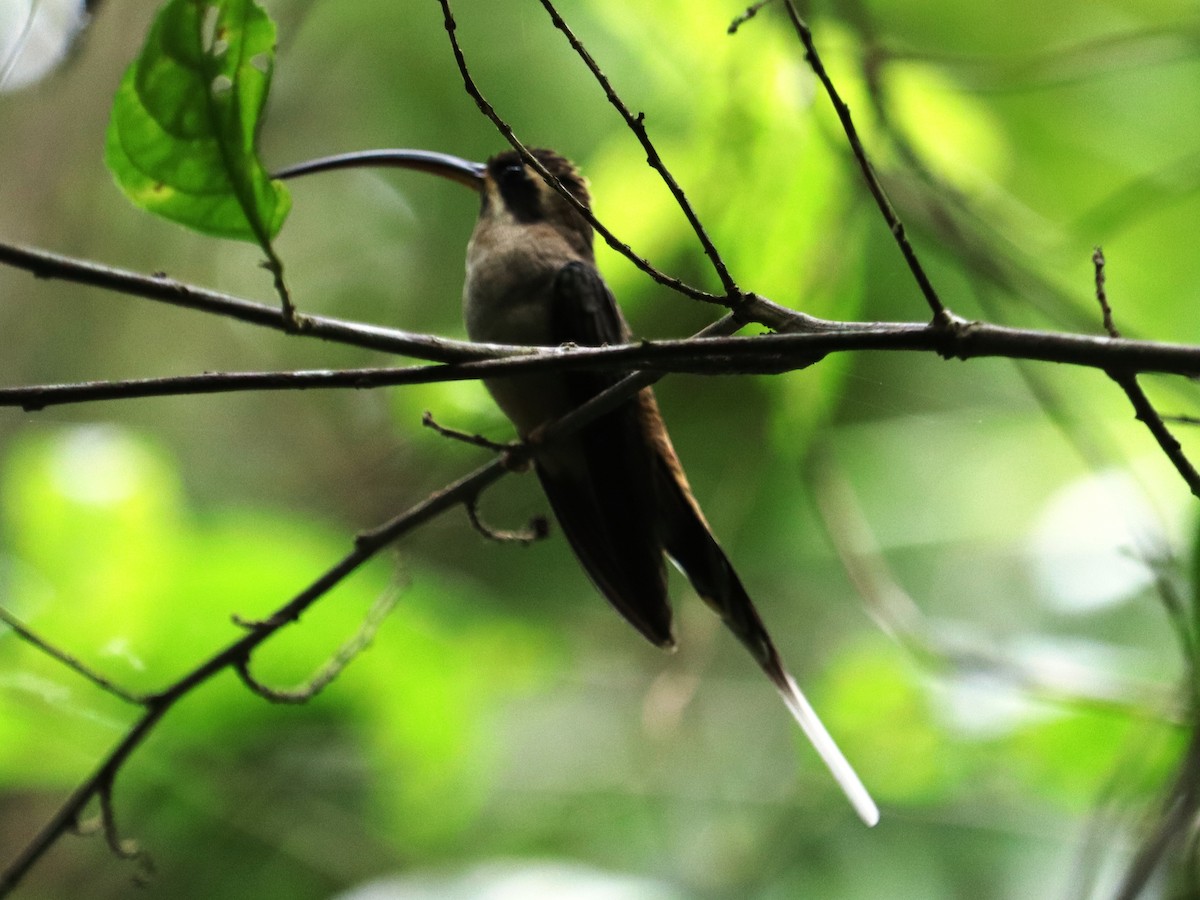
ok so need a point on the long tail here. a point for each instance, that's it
(843, 773)
(690, 542)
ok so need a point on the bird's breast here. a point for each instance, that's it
(508, 298)
(509, 291)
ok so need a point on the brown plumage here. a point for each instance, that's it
(616, 486)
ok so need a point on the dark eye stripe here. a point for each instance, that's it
(519, 192)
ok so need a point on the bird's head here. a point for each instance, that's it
(513, 191)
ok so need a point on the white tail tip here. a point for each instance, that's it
(829, 752)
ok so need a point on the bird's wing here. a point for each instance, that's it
(600, 481)
(689, 541)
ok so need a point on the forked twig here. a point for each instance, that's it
(1142, 407)
(68, 660)
(475, 440)
(538, 528)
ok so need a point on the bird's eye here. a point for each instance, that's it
(518, 190)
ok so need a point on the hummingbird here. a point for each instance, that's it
(616, 485)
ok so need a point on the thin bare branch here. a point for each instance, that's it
(715, 355)
(1126, 379)
(292, 321)
(71, 662)
(1110, 327)
(475, 440)
(1146, 414)
(637, 124)
(941, 315)
(538, 528)
(324, 676)
(509, 135)
(746, 15)
(44, 264)
(159, 287)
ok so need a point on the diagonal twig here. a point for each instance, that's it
(1145, 413)
(356, 644)
(941, 315)
(71, 662)
(475, 440)
(746, 15)
(509, 135)
(637, 124)
(1143, 409)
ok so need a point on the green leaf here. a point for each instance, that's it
(181, 140)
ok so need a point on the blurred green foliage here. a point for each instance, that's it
(503, 712)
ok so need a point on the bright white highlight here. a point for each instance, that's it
(843, 773)
(35, 37)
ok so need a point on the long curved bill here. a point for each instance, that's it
(465, 172)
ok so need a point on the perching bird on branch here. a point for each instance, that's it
(615, 485)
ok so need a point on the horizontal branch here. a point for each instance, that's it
(162, 289)
(759, 354)
(44, 264)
